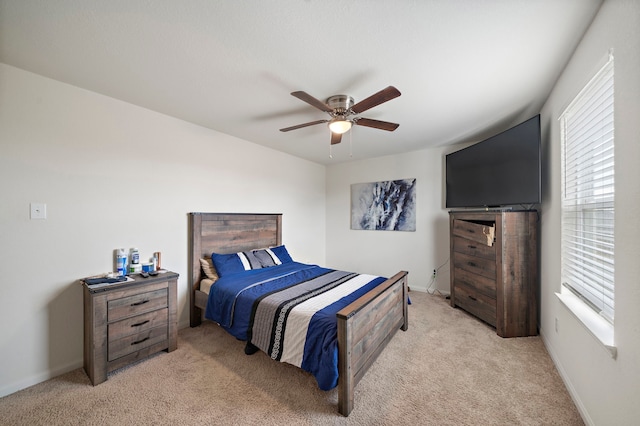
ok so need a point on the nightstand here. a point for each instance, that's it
(126, 322)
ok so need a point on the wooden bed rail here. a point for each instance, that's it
(364, 329)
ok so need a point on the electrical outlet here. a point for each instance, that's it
(434, 273)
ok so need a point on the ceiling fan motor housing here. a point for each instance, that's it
(341, 104)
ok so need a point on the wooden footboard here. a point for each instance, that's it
(364, 329)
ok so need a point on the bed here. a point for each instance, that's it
(364, 326)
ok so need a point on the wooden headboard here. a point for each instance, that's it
(226, 233)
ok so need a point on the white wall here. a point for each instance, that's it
(605, 389)
(116, 175)
(387, 252)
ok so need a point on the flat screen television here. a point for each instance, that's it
(502, 171)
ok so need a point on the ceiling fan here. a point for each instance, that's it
(344, 111)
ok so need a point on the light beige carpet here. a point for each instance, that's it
(447, 369)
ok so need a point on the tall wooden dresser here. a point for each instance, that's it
(494, 268)
(126, 322)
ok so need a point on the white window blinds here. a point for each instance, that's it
(588, 194)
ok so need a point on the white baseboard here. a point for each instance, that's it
(567, 381)
(38, 378)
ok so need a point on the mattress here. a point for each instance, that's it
(205, 285)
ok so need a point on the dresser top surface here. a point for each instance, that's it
(134, 279)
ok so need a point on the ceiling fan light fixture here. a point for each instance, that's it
(339, 125)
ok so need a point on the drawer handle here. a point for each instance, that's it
(139, 324)
(471, 264)
(473, 298)
(140, 341)
(471, 247)
(140, 303)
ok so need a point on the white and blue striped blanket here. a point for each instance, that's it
(289, 312)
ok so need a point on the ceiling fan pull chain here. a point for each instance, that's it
(351, 143)
(330, 155)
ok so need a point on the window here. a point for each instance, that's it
(588, 190)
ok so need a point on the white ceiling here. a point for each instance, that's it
(466, 68)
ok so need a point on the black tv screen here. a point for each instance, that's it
(501, 171)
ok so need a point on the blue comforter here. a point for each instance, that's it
(289, 312)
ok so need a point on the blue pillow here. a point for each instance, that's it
(282, 253)
(236, 262)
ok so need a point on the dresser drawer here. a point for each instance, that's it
(135, 342)
(138, 324)
(476, 265)
(136, 304)
(479, 232)
(473, 248)
(475, 303)
(481, 284)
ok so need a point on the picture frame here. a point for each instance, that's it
(384, 205)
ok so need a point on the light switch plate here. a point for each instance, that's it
(38, 211)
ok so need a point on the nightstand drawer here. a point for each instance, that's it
(138, 324)
(136, 304)
(121, 347)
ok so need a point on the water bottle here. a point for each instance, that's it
(121, 261)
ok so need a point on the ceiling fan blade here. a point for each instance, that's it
(377, 124)
(300, 126)
(376, 99)
(304, 96)
(336, 138)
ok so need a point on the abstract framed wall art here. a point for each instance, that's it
(384, 206)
